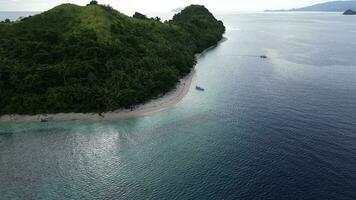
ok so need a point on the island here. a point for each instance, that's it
(349, 12)
(179, 9)
(94, 59)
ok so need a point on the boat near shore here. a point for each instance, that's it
(199, 88)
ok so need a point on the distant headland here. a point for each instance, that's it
(176, 10)
(331, 6)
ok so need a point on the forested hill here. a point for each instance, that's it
(94, 59)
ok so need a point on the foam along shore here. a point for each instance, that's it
(167, 101)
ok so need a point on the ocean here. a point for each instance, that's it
(13, 16)
(283, 127)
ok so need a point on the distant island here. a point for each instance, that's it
(95, 59)
(177, 9)
(331, 6)
(349, 12)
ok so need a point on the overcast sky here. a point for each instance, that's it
(129, 6)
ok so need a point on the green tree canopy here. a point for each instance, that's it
(95, 59)
(93, 2)
(138, 15)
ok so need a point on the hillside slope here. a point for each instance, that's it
(94, 59)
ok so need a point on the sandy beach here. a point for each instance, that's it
(167, 101)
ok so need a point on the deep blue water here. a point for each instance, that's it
(276, 128)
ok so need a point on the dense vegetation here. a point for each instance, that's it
(95, 59)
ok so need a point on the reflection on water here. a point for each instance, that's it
(277, 128)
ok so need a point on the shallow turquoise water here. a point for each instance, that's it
(280, 128)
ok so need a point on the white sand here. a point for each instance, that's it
(169, 100)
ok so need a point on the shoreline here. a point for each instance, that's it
(165, 102)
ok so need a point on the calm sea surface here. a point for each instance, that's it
(14, 15)
(276, 128)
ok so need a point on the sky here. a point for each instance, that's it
(129, 6)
